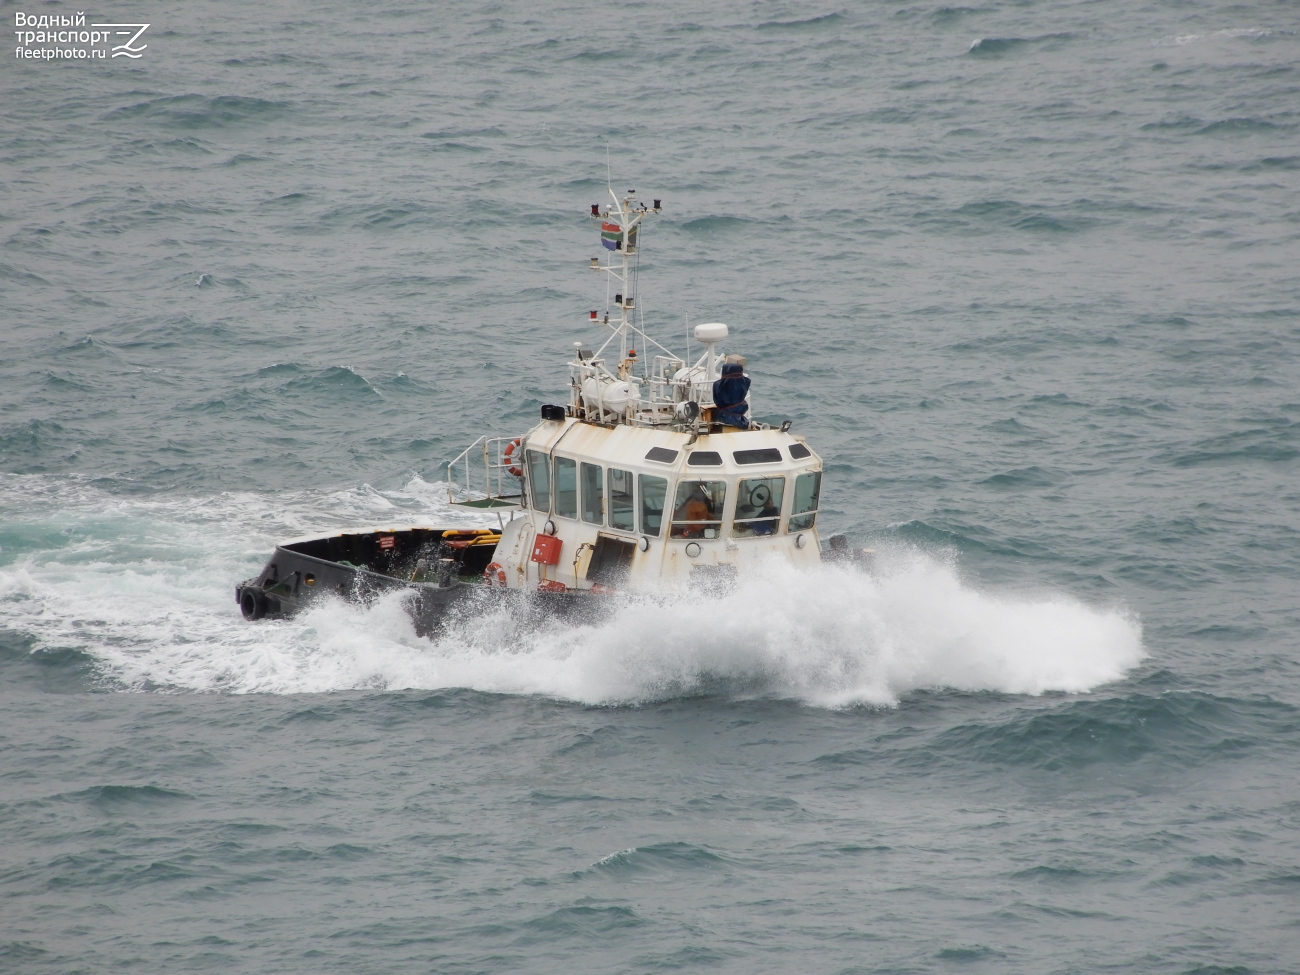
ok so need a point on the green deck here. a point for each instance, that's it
(512, 502)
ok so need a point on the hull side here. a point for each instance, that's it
(300, 573)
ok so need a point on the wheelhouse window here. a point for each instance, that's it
(758, 507)
(620, 500)
(704, 458)
(566, 487)
(539, 480)
(807, 491)
(763, 455)
(654, 491)
(698, 511)
(593, 494)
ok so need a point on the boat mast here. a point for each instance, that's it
(645, 387)
(620, 223)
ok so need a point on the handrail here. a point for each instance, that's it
(485, 479)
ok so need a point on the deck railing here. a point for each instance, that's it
(479, 477)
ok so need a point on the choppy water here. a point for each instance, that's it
(1027, 275)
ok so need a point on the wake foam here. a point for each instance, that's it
(145, 588)
(828, 636)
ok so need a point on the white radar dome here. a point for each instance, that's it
(710, 332)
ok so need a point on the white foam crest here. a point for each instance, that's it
(74, 500)
(146, 588)
(1182, 40)
(828, 636)
(145, 585)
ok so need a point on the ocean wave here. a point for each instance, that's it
(199, 111)
(825, 20)
(989, 216)
(996, 46)
(580, 921)
(714, 224)
(342, 381)
(1185, 727)
(1229, 33)
(1237, 126)
(657, 860)
(945, 15)
(376, 216)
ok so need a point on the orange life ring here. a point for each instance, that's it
(514, 465)
(495, 575)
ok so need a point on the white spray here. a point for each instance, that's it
(147, 591)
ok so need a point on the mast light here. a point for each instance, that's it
(595, 209)
(657, 205)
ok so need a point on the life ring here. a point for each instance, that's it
(495, 575)
(514, 465)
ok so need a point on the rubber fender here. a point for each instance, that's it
(252, 603)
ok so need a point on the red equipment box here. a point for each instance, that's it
(546, 550)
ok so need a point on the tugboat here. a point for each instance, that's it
(653, 476)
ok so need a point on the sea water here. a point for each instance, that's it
(1025, 275)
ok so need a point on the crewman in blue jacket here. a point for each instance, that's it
(729, 394)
